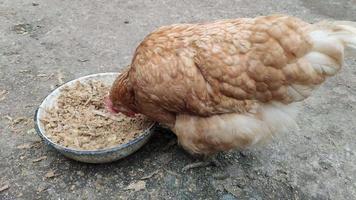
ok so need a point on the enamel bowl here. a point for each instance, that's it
(89, 156)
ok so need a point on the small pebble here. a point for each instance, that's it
(72, 187)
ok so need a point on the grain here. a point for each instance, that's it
(80, 121)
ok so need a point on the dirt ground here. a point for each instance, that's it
(45, 42)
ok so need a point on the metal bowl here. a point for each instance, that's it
(89, 156)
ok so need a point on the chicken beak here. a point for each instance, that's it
(109, 105)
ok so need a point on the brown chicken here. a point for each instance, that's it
(231, 83)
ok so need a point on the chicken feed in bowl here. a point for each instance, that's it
(79, 120)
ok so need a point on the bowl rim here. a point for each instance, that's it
(147, 132)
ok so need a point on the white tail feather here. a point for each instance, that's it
(331, 42)
(344, 31)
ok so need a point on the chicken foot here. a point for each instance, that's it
(207, 161)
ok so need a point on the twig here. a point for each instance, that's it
(172, 173)
(39, 159)
(18, 120)
(8, 118)
(150, 175)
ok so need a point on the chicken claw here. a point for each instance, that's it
(212, 160)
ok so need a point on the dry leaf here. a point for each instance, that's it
(5, 187)
(39, 159)
(24, 146)
(50, 174)
(41, 189)
(3, 94)
(137, 186)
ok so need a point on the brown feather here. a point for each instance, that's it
(230, 83)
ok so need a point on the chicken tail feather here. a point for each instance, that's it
(343, 31)
(331, 42)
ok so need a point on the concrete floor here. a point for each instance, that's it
(42, 40)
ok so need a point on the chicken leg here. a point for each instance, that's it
(206, 161)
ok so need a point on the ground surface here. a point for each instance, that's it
(42, 40)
